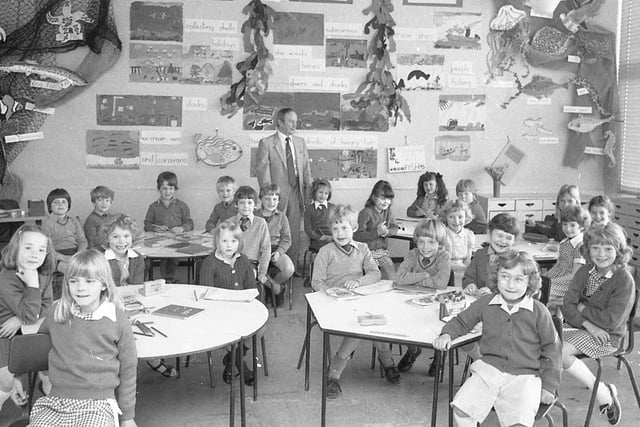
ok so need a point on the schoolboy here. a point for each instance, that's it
(467, 192)
(280, 235)
(101, 197)
(225, 208)
(255, 240)
(168, 214)
(65, 231)
(521, 351)
(348, 264)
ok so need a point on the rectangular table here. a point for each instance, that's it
(407, 324)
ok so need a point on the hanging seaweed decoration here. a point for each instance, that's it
(255, 69)
(380, 92)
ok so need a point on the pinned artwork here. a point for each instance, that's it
(539, 87)
(155, 63)
(358, 164)
(610, 147)
(113, 149)
(69, 23)
(293, 28)
(466, 113)
(406, 158)
(139, 110)
(456, 148)
(420, 71)
(534, 128)
(156, 21)
(216, 151)
(508, 34)
(457, 30)
(346, 53)
(586, 124)
(203, 65)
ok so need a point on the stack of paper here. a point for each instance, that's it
(218, 294)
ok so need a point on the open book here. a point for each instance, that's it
(219, 294)
(374, 288)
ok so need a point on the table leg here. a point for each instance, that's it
(451, 386)
(232, 397)
(325, 373)
(436, 385)
(240, 350)
(254, 345)
(307, 348)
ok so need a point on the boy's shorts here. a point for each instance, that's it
(515, 397)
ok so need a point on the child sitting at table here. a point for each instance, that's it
(521, 351)
(228, 268)
(462, 240)
(601, 209)
(168, 214)
(568, 195)
(127, 265)
(225, 208)
(316, 215)
(432, 195)
(348, 264)
(466, 191)
(428, 265)
(101, 197)
(65, 231)
(280, 235)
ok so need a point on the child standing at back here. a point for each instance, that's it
(521, 351)
(65, 231)
(228, 268)
(316, 215)
(127, 264)
(375, 224)
(432, 195)
(225, 208)
(92, 361)
(348, 264)
(428, 265)
(596, 309)
(101, 197)
(601, 209)
(568, 195)
(25, 295)
(168, 214)
(463, 241)
(466, 191)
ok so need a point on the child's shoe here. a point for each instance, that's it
(612, 411)
(333, 389)
(392, 374)
(431, 372)
(248, 375)
(406, 363)
(228, 370)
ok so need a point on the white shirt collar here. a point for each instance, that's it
(110, 254)
(607, 275)
(526, 303)
(107, 309)
(283, 137)
(316, 204)
(575, 240)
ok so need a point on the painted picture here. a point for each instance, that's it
(203, 65)
(438, 3)
(358, 114)
(406, 158)
(259, 111)
(139, 110)
(347, 53)
(306, 29)
(453, 147)
(324, 1)
(462, 113)
(420, 71)
(155, 63)
(156, 21)
(358, 164)
(457, 30)
(113, 149)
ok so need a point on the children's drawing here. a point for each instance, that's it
(539, 87)
(453, 147)
(356, 115)
(586, 124)
(155, 63)
(610, 147)
(420, 71)
(156, 21)
(439, 3)
(326, 1)
(202, 65)
(462, 113)
(406, 158)
(457, 30)
(508, 37)
(113, 149)
(348, 53)
(68, 22)
(216, 151)
(534, 128)
(358, 164)
(582, 83)
(139, 110)
(292, 28)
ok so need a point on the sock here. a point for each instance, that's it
(581, 372)
(337, 366)
(384, 354)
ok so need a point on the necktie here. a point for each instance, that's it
(244, 223)
(320, 207)
(291, 168)
(425, 261)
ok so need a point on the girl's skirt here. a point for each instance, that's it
(586, 343)
(63, 412)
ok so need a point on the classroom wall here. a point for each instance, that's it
(60, 159)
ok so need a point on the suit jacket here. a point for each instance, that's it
(271, 167)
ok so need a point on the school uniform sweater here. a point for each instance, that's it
(256, 243)
(415, 268)
(220, 274)
(479, 222)
(316, 223)
(17, 299)
(135, 270)
(65, 233)
(333, 266)
(92, 228)
(220, 213)
(279, 230)
(368, 221)
(478, 269)
(177, 214)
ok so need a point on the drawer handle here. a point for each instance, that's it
(529, 204)
(529, 215)
(502, 205)
(636, 221)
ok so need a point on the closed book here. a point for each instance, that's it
(178, 311)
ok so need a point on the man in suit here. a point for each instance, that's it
(282, 159)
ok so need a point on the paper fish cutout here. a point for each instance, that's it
(216, 151)
(610, 146)
(61, 75)
(539, 87)
(584, 124)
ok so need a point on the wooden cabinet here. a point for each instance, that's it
(627, 215)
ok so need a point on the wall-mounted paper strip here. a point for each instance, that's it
(215, 26)
(24, 137)
(291, 51)
(577, 109)
(343, 29)
(194, 104)
(225, 43)
(160, 137)
(32, 107)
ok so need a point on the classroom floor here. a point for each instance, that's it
(367, 399)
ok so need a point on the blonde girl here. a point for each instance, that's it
(568, 195)
(117, 236)
(455, 214)
(92, 362)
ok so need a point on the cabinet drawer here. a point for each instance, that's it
(626, 208)
(627, 221)
(549, 205)
(501, 205)
(529, 204)
(531, 215)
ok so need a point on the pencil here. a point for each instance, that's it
(159, 331)
(385, 333)
(140, 333)
(195, 295)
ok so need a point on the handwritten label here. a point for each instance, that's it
(322, 141)
(313, 64)
(24, 137)
(160, 137)
(548, 140)
(291, 51)
(596, 151)
(172, 159)
(342, 29)
(318, 83)
(194, 104)
(415, 34)
(503, 84)
(50, 85)
(32, 107)
(210, 26)
(574, 59)
(462, 68)
(463, 82)
(225, 43)
(582, 91)
(147, 158)
(577, 109)
(535, 101)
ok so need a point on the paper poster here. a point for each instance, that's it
(508, 160)
(406, 158)
(212, 26)
(329, 84)
(324, 1)
(356, 115)
(292, 51)
(160, 137)
(439, 3)
(543, 8)
(139, 110)
(113, 149)
(420, 71)
(203, 65)
(462, 113)
(343, 29)
(346, 53)
(156, 21)
(305, 29)
(453, 147)
(155, 63)
(457, 30)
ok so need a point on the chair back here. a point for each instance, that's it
(29, 353)
(628, 348)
